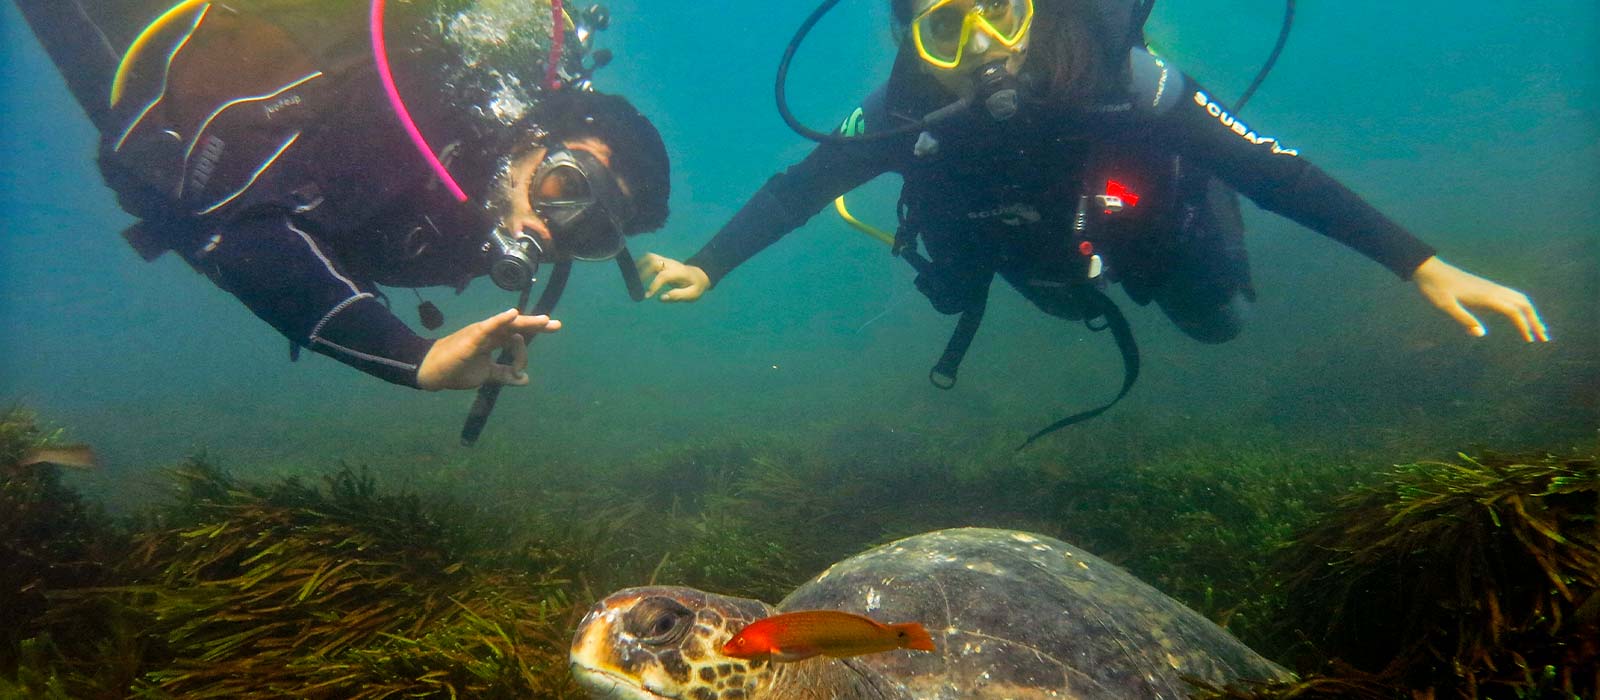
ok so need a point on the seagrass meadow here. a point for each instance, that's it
(1480, 572)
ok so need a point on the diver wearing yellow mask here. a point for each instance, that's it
(945, 29)
(1055, 151)
(958, 35)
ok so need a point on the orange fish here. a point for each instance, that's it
(802, 635)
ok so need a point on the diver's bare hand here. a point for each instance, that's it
(687, 281)
(465, 359)
(1453, 290)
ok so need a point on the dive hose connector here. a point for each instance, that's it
(591, 21)
(514, 259)
(992, 85)
(579, 73)
(997, 87)
(1094, 266)
(1093, 207)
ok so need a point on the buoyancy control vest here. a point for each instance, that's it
(1103, 200)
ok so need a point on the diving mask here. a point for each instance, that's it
(943, 31)
(582, 202)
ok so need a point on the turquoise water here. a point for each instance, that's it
(1476, 124)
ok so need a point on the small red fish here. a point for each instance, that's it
(802, 635)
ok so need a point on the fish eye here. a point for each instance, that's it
(659, 621)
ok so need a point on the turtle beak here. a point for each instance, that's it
(603, 685)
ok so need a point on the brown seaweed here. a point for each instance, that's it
(1461, 579)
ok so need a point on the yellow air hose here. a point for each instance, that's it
(859, 225)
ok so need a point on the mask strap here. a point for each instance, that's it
(488, 394)
(630, 274)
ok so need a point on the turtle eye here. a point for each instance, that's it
(659, 621)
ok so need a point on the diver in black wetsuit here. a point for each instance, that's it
(1104, 133)
(301, 152)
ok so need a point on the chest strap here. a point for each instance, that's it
(944, 372)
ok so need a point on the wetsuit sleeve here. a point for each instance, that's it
(789, 199)
(1275, 177)
(288, 279)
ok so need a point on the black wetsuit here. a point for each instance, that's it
(255, 140)
(1001, 197)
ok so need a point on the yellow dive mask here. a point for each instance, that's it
(942, 31)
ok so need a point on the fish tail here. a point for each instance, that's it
(913, 636)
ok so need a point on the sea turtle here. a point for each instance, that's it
(1012, 615)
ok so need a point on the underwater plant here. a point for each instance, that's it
(50, 539)
(1477, 578)
(293, 591)
(289, 590)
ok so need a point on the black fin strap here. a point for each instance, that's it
(943, 374)
(488, 394)
(1130, 364)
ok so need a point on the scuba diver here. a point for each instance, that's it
(299, 153)
(1042, 141)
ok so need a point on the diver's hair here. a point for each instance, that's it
(1067, 48)
(638, 155)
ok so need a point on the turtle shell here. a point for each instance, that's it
(1021, 615)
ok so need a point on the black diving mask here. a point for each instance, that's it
(582, 202)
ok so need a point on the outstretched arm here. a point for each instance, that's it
(1277, 178)
(290, 280)
(783, 204)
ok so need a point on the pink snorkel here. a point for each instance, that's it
(557, 33)
(380, 55)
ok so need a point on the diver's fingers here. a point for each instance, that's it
(1526, 317)
(505, 375)
(653, 271)
(660, 281)
(490, 333)
(649, 264)
(1465, 318)
(684, 293)
(519, 356)
(511, 374)
(529, 325)
(1539, 331)
(1513, 312)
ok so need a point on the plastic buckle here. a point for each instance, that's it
(1109, 203)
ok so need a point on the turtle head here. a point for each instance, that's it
(664, 643)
